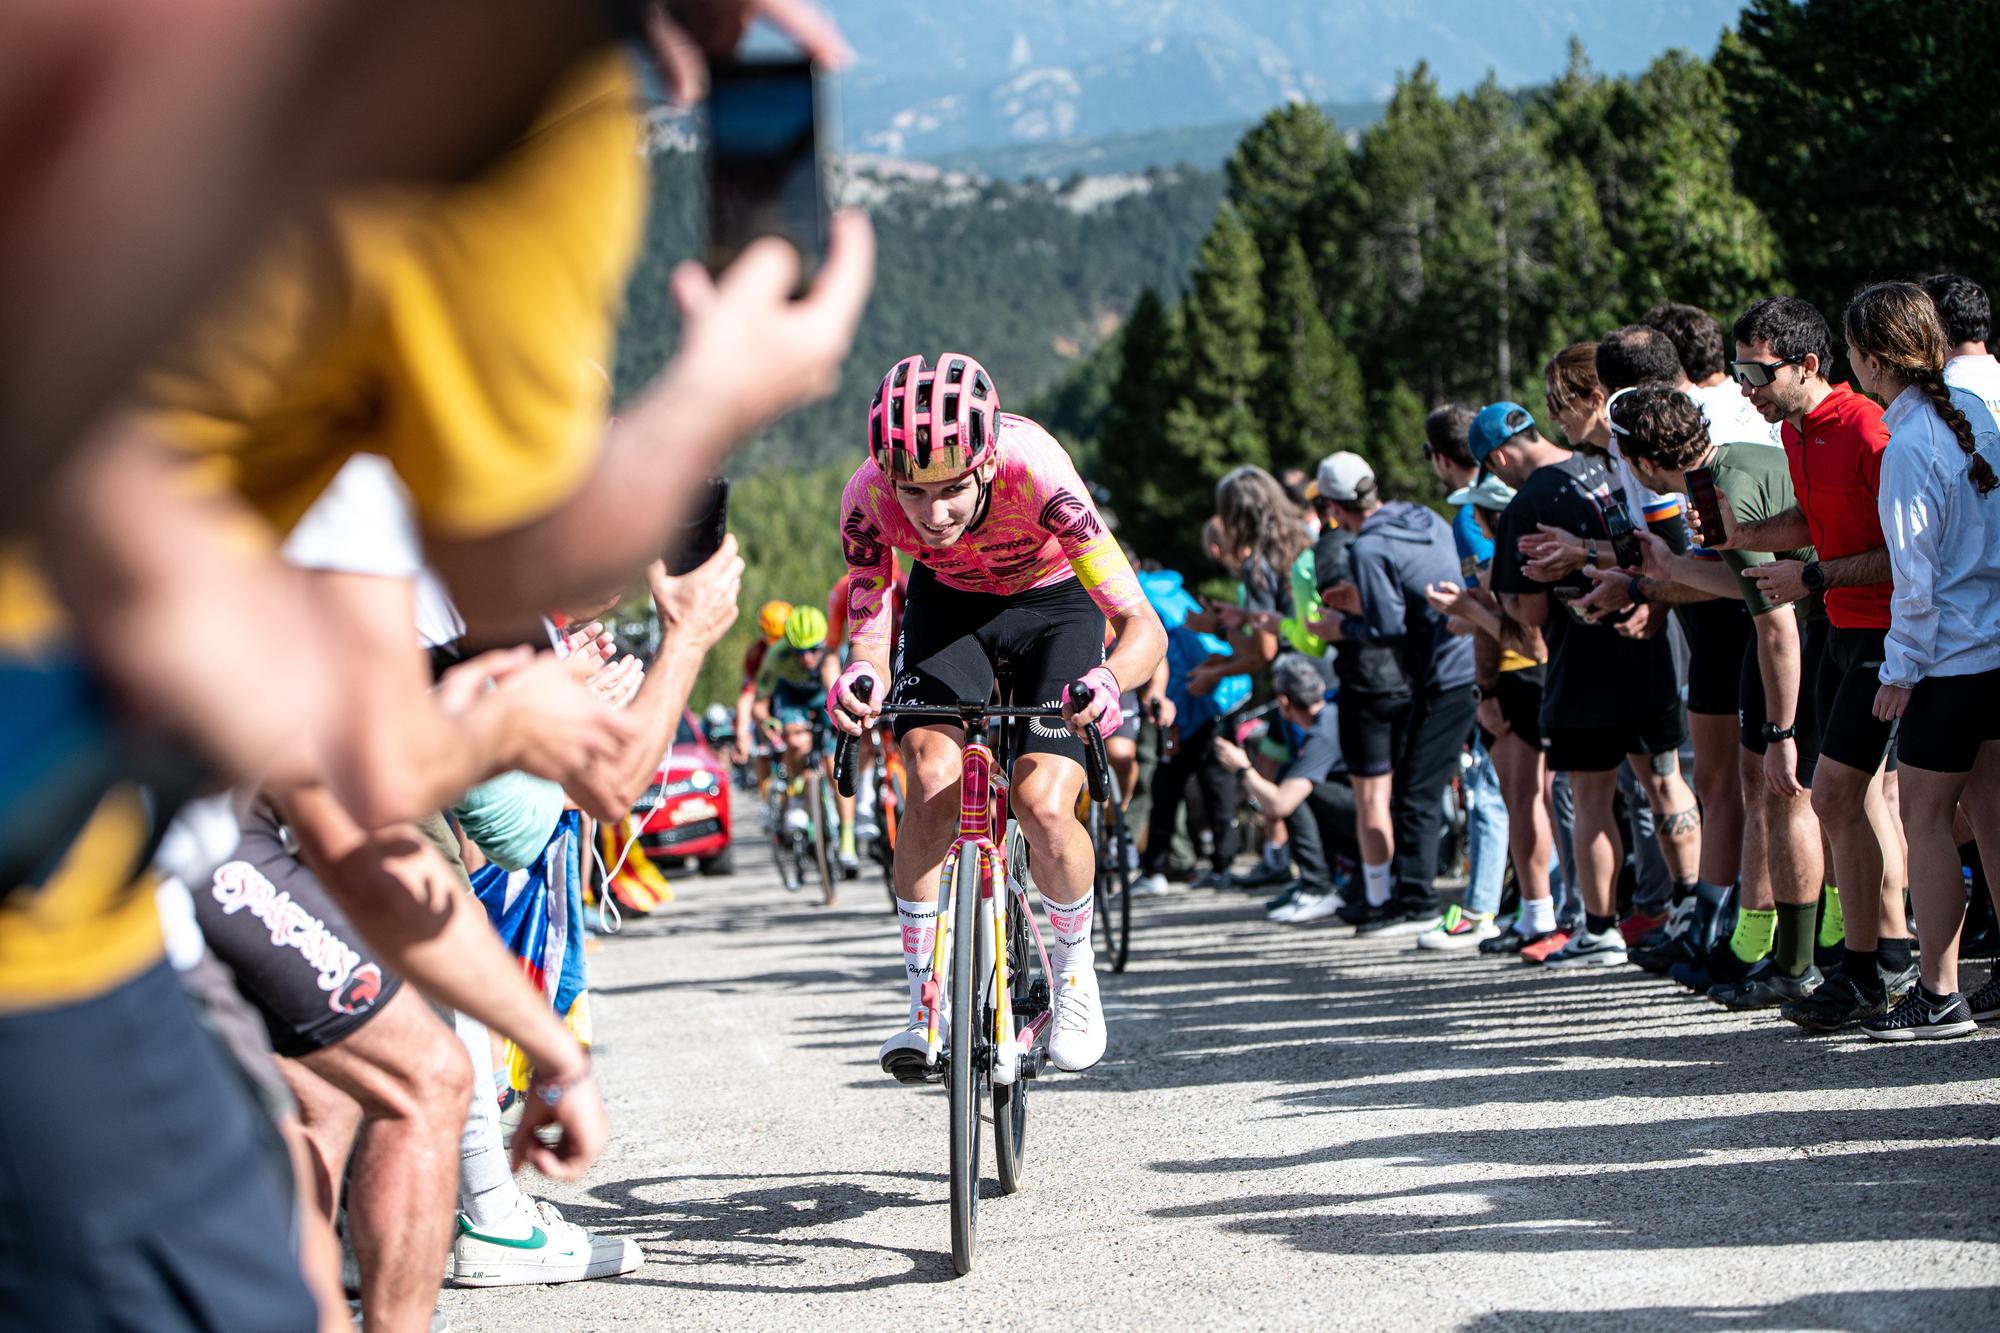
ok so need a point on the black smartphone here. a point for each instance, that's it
(694, 541)
(1624, 541)
(770, 129)
(1707, 502)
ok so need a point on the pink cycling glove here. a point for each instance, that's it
(856, 670)
(1103, 685)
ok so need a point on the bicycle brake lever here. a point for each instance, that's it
(843, 750)
(1096, 767)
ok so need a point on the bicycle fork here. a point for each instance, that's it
(1009, 1047)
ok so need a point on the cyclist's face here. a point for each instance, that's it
(940, 510)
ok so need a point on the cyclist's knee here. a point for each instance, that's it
(934, 765)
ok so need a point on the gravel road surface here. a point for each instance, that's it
(1292, 1129)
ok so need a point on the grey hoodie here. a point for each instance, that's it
(1400, 550)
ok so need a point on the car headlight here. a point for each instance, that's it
(702, 780)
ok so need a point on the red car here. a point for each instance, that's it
(689, 806)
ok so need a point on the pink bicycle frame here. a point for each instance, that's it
(982, 791)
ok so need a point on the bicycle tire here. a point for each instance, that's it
(964, 1083)
(889, 813)
(784, 849)
(1114, 883)
(1010, 1100)
(822, 856)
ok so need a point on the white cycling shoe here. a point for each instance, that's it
(1076, 1035)
(906, 1056)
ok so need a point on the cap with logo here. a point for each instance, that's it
(1496, 424)
(1340, 476)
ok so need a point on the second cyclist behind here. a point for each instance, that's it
(1012, 563)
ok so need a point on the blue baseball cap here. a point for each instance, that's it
(1496, 424)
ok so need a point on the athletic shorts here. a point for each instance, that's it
(794, 705)
(1849, 674)
(1134, 715)
(1941, 730)
(1519, 695)
(1601, 749)
(1751, 714)
(952, 644)
(1716, 635)
(1373, 731)
(296, 956)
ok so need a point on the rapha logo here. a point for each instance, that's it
(860, 541)
(1069, 517)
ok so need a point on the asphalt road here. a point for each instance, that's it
(1292, 1129)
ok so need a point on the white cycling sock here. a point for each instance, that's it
(919, 922)
(1538, 916)
(1069, 923)
(1377, 883)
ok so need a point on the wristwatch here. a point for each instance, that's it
(1773, 732)
(1813, 577)
(1634, 591)
(1478, 692)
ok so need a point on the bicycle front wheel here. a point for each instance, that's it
(1010, 1100)
(966, 1084)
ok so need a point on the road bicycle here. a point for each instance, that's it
(986, 1008)
(803, 851)
(1111, 841)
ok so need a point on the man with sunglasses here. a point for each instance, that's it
(1834, 439)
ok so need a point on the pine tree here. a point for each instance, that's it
(1223, 326)
(1292, 179)
(1312, 402)
(1132, 458)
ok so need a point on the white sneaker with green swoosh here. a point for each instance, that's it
(537, 1246)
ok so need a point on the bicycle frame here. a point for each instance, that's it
(981, 793)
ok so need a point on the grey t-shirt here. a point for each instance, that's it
(1318, 756)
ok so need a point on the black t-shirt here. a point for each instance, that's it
(1318, 756)
(1597, 676)
(1365, 668)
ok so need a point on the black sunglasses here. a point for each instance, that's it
(1756, 374)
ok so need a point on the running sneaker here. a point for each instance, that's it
(537, 1246)
(1898, 984)
(1357, 911)
(1764, 986)
(1210, 879)
(1262, 875)
(1504, 942)
(1923, 1016)
(906, 1056)
(1288, 894)
(1838, 1002)
(1459, 931)
(1539, 949)
(1636, 927)
(1309, 907)
(1587, 950)
(1720, 968)
(1076, 1034)
(1394, 921)
(1684, 947)
(1984, 1003)
(1151, 886)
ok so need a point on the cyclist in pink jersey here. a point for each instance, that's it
(1011, 563)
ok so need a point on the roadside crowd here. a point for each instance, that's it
(1704, 660)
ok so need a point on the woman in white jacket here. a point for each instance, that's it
(1941, 663)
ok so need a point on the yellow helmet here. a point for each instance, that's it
(805, 628)
(771, 620)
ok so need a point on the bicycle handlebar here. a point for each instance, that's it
(1096, 767)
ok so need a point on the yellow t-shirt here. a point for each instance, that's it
(455, 330)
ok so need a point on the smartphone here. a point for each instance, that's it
(1624, 541)
(770, 130)
(1707, 502)
(694, 541)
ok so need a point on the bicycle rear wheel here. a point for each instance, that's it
(1010, 1100)
(1111, 844)
(966, 1081)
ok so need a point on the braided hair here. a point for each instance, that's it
(1897, 323)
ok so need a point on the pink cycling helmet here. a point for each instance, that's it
(933, 425)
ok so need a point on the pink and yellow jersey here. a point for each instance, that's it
(1040, 528)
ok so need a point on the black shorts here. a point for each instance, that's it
(1940, 730)
(1601, 749)
(295, 955)
(952, 643)
(1519, 695)
(1373, 731)
(1850, 670)
(1751, 714)
(1716, 633)
(140, 1186)
(1134, 714)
